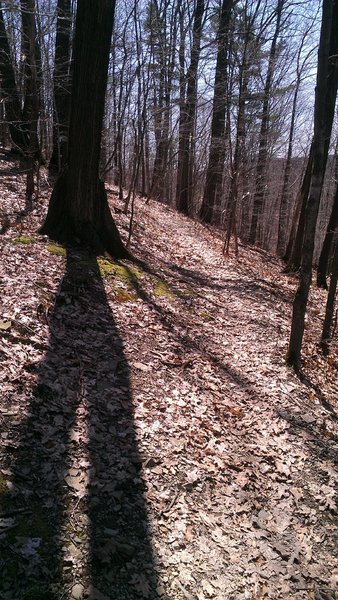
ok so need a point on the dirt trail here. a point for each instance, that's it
(154, 444)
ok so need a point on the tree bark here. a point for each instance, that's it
(284, 201)
(214, 176)
(31, 108)
(329, 311)
(78, 210)
(10, 93)
(262, 160)
(61, 85)
(292, 256)
(324, 258)
(184, 188)
(325, 97)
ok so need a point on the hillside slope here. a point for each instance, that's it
(153, 442)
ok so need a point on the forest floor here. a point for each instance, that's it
(153, 442)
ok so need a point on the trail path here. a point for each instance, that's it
(153, 442)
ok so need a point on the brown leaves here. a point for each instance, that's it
(224, 444)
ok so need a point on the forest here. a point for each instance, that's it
(168, 317)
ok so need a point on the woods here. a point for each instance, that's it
(211, 137)
(168, 305)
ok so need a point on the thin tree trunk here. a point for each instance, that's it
(184, 186)
(285, 196)
(10, 93)
(262, 160)
(32, 102)
(322, 269)
(292, 256)
(61, 85)
(329, 310)
(214, 176)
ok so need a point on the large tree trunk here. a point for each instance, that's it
(214, 176)
(78, 210)
(325, 99)
(61, 85)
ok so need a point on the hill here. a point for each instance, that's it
(153, 442)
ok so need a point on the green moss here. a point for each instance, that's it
(24, 239)
(128, 275)
(124, 280)
(161, 290)
(55, 249)
(106, 267)
(123, 295)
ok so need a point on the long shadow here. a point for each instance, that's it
(261, 287)
(75, 512)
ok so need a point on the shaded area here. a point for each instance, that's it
(75, 507)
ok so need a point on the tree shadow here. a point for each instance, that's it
(75, 508)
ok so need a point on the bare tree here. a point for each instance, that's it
(261, 171)
(78, 209)
(214, 175)
(184, 188)
(61, 85)
(285, 196)
(325, 98)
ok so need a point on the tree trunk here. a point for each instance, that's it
(294, 259)
(214, 176)
(78, 210)
(285, 196)
(184, 188)
(61, 85)
(329, 311)
(10, 94)
(292, 256)
(262, 160)
(322, 269)
(31, 108)
(163, 48)
(325, 98)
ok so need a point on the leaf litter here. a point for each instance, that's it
(159, 447)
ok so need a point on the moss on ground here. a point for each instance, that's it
(36, 592)
(123, 295)
(161, 290)
(124, 280)
(128, 275)
(24, 239)
(56, 249)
